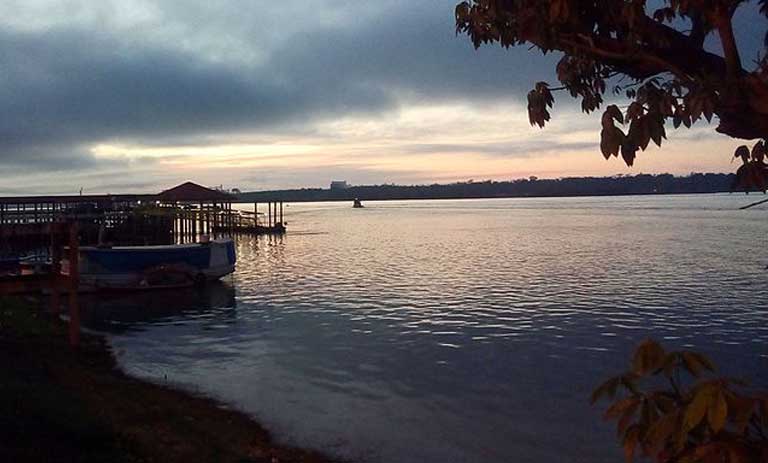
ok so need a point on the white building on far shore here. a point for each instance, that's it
(339, 185)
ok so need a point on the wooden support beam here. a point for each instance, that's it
(55, 271)
(74, 283)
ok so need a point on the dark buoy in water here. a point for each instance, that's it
(357, 204)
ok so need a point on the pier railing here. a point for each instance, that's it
(130, 221)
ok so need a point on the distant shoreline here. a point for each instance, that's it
(607, 195)
(640, 184)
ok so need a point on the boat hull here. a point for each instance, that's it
(154, 267)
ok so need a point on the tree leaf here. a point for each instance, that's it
(696, 363)
(614, 112)
(648, 357)
(670, 363)
(608, 388)
(717, 412)
(626, 418)
(628, 152)
(743, 153)
(656, 130)
(617, 409)
(740, 410)
(631, 439)
(661, 430)
(696, 410)
(758, 152)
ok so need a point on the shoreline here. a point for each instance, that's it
(57, 405)
(455, 198)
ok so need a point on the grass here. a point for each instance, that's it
(58, 404)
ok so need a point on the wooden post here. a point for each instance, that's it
(230, 218)
(209, 218)
(74, 283)
(255, 215)
(199, 219)
(55, 267)
(215, 219)
(184, 224)
(232, 221)
(281, 213)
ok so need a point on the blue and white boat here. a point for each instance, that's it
(150, 267)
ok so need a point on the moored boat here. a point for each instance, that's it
(151, 267)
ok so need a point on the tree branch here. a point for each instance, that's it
(732, 58)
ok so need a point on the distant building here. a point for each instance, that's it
(339, 185)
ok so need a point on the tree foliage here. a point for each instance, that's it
(704, 419)
(655, 57)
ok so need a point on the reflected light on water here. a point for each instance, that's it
(457, 330)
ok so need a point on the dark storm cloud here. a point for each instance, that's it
(64, 89)
(70, 87)
(37, 155)
(413, 51)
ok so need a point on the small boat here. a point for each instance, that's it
(357, 204)
(153, 267)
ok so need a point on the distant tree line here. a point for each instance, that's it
(532, 187)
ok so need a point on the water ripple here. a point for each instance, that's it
(460, 330)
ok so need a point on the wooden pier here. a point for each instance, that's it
(256, 222)
(178, 215)
(37, 232)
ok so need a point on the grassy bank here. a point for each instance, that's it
(60, 405)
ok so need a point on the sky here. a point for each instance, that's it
(113, 97)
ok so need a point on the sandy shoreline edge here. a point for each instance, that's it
(57, 405)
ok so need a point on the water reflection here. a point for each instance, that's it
(466, 330)
(120, 312)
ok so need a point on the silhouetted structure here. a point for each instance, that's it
(177, 215)
(530, 187)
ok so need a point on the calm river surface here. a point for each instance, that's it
(457, 331)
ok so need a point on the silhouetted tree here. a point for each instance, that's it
(671, 76)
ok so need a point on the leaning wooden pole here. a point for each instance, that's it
(55, 267)
(753, 204)
(74, 283)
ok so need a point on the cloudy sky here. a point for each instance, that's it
(136, 96)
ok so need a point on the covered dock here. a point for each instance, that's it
(176, 215)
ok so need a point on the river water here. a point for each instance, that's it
(457, 331)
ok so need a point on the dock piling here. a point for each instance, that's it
(74, 283)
